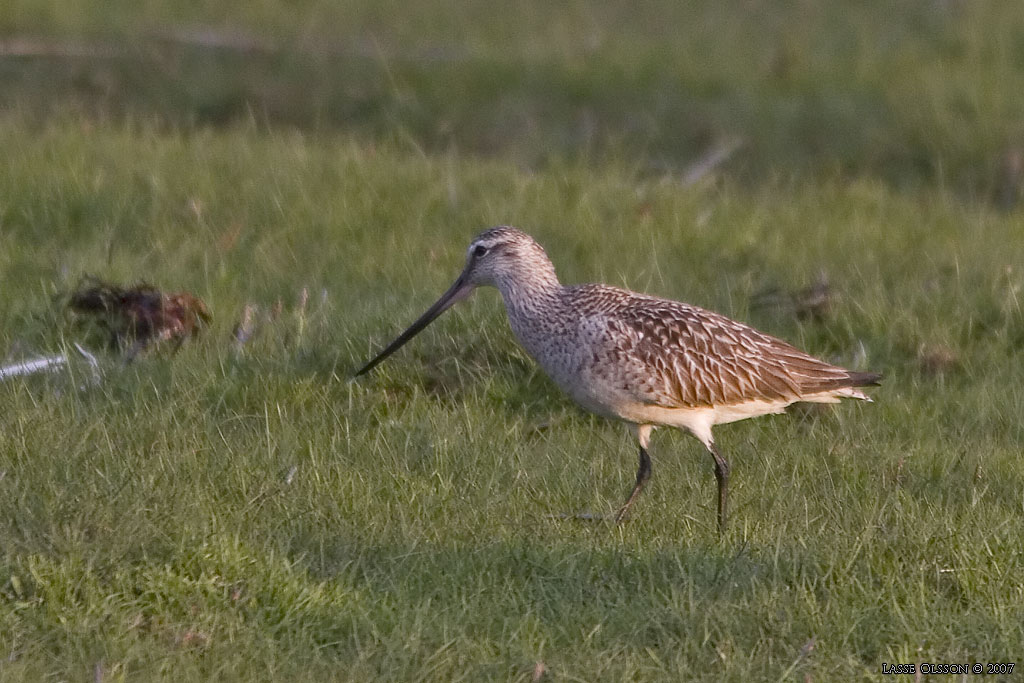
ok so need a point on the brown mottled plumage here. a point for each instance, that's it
(676, 355)
(638, 358)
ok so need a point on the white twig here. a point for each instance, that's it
(94, 365)
(31, 367)
(52, 364)
(710, 161)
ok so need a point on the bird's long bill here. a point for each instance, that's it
(456, 293)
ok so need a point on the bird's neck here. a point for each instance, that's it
(535, 307)
(531, 291)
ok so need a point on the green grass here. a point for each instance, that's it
(149, 528)
(252, 514)
(923, 92)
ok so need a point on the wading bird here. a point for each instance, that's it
(644, 360)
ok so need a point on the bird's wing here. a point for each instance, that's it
(676, 355)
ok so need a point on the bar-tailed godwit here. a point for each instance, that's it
(644, 360)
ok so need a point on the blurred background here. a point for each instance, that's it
(915, 93)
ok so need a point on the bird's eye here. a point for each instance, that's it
(479, 250)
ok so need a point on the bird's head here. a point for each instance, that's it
(502, 257)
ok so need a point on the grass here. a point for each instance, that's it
(151, 530)
(927, 93)
(253, 515)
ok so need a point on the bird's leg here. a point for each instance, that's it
(642, 475)
(722, 475)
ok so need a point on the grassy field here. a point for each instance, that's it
(251, 514)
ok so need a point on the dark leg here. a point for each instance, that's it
(642, 475)
(722, 475)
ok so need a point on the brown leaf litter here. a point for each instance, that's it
(136, 317)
